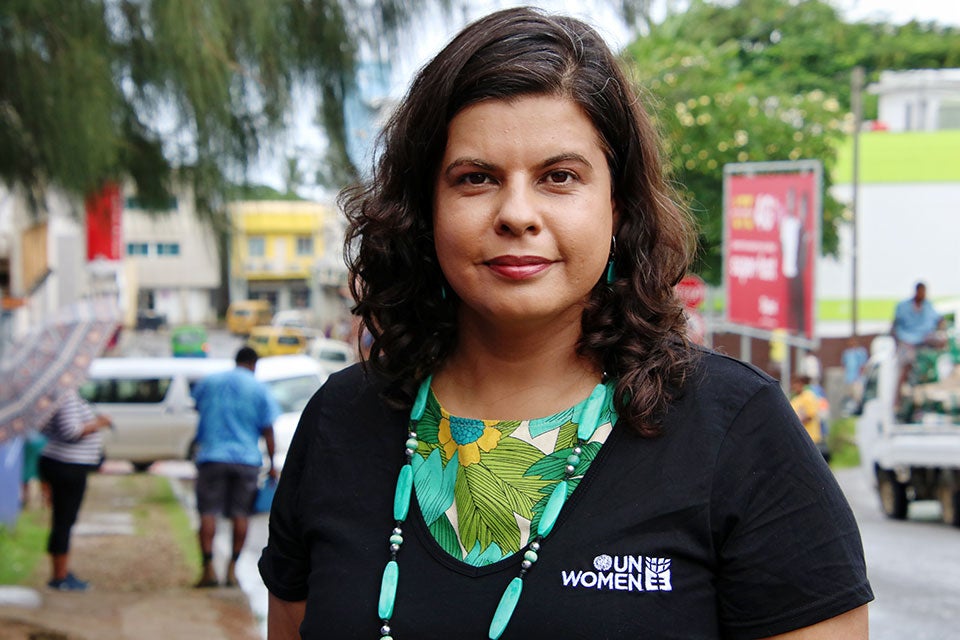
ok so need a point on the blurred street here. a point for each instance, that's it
(156, 343)
(127, 544)
(182, 476)
(150, 343)
(911, 564)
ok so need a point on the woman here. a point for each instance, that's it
(74, 448)
(569, 467)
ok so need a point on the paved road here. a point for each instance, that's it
(914, 567)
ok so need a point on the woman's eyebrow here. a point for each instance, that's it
(569, 156)
(472, 162)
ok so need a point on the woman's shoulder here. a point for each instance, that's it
(353, 391)
(717, 372)
(719, 388)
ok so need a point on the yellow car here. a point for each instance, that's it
(244, 315)
(277, 341)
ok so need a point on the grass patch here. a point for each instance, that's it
(22, 546)
(843, 444)
(183, 530)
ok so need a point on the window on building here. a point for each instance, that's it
(168, 248)
(256, 246)
(138, 249)
(304, 245)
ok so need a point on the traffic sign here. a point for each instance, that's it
(692, 290)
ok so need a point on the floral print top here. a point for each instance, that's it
(483, 484)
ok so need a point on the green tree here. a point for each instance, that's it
(98, 90)
(762, 80)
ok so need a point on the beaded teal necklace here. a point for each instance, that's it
(589, 422)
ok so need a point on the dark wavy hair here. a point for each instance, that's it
(634, 328)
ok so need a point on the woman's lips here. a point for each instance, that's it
(518, 267)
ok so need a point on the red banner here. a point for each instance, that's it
(772, 222)
(104, 213)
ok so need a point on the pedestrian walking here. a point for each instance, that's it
(73, 449)
(236, 411)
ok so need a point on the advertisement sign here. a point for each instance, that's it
(771, 219)
(104, 212)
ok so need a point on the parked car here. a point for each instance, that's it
(149, 319)
(149, 402)
(277, 341)
(244, 315)
(189, 341)
(335, 354)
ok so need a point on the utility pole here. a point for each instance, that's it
(856, 104)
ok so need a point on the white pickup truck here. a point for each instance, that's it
(911, 452)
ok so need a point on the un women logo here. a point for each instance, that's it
(602, 562)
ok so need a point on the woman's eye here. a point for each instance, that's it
(560, 177)
(474, 178)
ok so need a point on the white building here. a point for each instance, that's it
(919, 100)
(171, 261)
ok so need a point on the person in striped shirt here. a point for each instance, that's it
(74, 448)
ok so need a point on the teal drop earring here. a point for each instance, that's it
(611, 269)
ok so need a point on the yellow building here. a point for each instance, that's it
(278, 247)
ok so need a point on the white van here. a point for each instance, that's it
(149, 402)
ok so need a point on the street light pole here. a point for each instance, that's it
(856, 105)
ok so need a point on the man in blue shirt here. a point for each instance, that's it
(236, 410)
(915, 323)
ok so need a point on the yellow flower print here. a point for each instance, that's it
(468, 436)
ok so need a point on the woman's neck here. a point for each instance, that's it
(497, 374)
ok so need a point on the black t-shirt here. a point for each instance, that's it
(729, 525)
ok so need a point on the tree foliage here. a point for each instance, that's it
(765, 80)
(99, 90)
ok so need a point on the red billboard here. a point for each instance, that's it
(104, 212)
(771, 220)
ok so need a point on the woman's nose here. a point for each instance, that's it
(517, 211)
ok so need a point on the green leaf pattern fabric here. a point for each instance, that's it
(483, 484)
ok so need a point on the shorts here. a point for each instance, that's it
(226, 489)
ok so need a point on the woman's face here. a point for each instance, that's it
(523, 210)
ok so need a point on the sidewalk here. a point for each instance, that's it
(125, 546)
